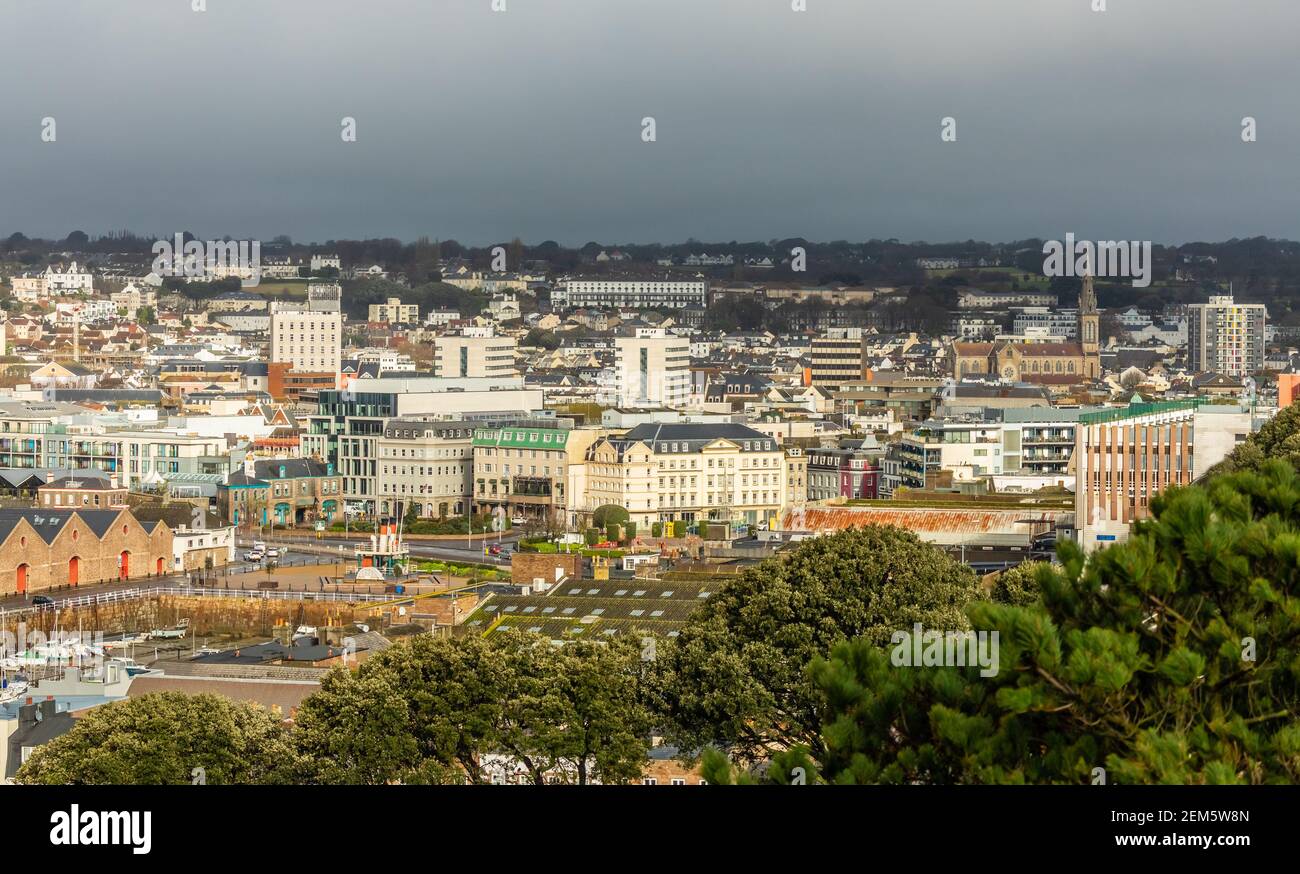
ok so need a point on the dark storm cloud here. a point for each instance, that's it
(482, 126)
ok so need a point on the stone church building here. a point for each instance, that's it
(1046, 363)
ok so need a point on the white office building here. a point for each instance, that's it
(474, 353)
(651, 369)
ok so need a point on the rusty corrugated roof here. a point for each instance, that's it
(926, 523)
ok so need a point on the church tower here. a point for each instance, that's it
(1089, 326)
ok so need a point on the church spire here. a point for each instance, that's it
(1088, 295)
(1089, 325)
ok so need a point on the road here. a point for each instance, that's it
(446, 550)
(234, 571)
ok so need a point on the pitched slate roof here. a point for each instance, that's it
(48, 523)
(294, 468)
(686, 438)
(81, 483)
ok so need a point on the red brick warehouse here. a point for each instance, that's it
(47, 548)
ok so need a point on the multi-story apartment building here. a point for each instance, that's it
(610, 293)
(428, 465)
(282, 491)
(843, 472)
(475, 352)
(689, 472)
(1125, 456)
(53, 283)
(796, 477)
(348, 425)
(974, 299)
(132, 298)
(150, 457)
(1226, 337)
(311, 342)
(969, 449)
(891, 471)
(651, 369)
(394, 312)
(55, 436)
(1045, 321)
(1039, 440)
(907, 397)
(532, 469)
(838, 360)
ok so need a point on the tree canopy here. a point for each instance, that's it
(1170, 658)
(609, 514)
(735, 676)
(161, 738)
(433, 709)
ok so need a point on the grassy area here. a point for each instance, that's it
(1026, 279)
(294, 289)
(547, 548)
(481, 571)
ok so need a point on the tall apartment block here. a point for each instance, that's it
(838, 359)
(1226, 337)
(652, 369)
(309, 341)
(475, 352)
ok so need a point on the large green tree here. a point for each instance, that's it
(1019, 585)
(609, 514)
(1171, 658)
(432, 709)
(161, 739)
(735, 675)
(356, 730)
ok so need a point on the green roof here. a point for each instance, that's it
(522, 438)
(1133, 410)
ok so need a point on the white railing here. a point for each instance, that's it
(133, 594)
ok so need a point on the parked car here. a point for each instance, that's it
(42, 601)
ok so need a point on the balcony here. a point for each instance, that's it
(530, 487)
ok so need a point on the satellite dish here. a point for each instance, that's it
(401, 611)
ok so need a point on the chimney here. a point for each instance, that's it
(112, 481)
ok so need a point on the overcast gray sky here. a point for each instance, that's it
(482, 126)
